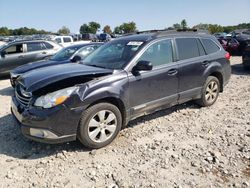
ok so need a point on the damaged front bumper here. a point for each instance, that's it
(56, 125)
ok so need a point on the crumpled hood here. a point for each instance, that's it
(39, 78)
(35, 65)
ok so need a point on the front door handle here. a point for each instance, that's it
(21, 56)
(172, 72)
(205, 63)
(44, 52)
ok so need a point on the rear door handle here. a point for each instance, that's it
(44, 52)
(21, 56)
(205, 63)
(172, 72)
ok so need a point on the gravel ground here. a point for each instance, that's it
(185, 146)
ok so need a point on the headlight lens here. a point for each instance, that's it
(14, 75)
(55, 98)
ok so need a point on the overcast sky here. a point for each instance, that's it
(148, 14)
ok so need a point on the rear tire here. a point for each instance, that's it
(99, 125)
(210, 92)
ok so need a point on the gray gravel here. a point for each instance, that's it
(185, 146)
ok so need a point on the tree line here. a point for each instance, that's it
(212, 28)
(4, 31)
(129, 27)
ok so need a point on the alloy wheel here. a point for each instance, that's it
(102, 126)
(212, 91)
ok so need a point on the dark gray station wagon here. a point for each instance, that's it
(123, 79)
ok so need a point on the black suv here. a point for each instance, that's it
(123, 79)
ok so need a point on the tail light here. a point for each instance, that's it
(227, 56)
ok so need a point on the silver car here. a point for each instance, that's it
(18, 53)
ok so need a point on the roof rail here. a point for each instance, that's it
(181, 30)
(145, 32)
(160, 32)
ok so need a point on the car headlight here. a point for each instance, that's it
(55, 98)
(14, 75)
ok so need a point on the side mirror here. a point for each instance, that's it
(143, 66)
(76, 59)
(3, 53)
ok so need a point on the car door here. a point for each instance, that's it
(35, 51)
(11, 56)
(150, 90)
(192, 62)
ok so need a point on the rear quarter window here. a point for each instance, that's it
(210, 46)
(48, 45)
(58, 40)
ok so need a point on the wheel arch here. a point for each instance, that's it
(116, 102)
(219, 76)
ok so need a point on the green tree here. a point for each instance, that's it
(118, 30)
(129, 27)
(214, 28)
(201, 26)
(85, 29)
(64, 30)
(184, 24)
(107, 29)
(4, 31)
(94, 26)
(176, 26)
(91, 27)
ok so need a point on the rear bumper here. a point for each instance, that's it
(55, 125)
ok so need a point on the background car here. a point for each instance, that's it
(231, 45)
(64, 40)
(18, 53)
(2, 43)
(104, 37)
(71, 54)
(242, 36)
(220, 35)
(246, 56)
(90, 36)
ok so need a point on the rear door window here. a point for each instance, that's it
(187, 48)
(58, 40)
(48, 45)
(210, 46)
(35, 46)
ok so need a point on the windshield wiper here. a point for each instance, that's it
(93, 65)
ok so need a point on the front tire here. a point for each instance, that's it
(99, 125)
(210, 92)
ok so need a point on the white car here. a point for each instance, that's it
(2, 43)
(64, 40)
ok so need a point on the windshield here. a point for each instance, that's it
(113, 55)
(2, 46)
(64, 54)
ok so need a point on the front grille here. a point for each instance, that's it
(24, 100)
